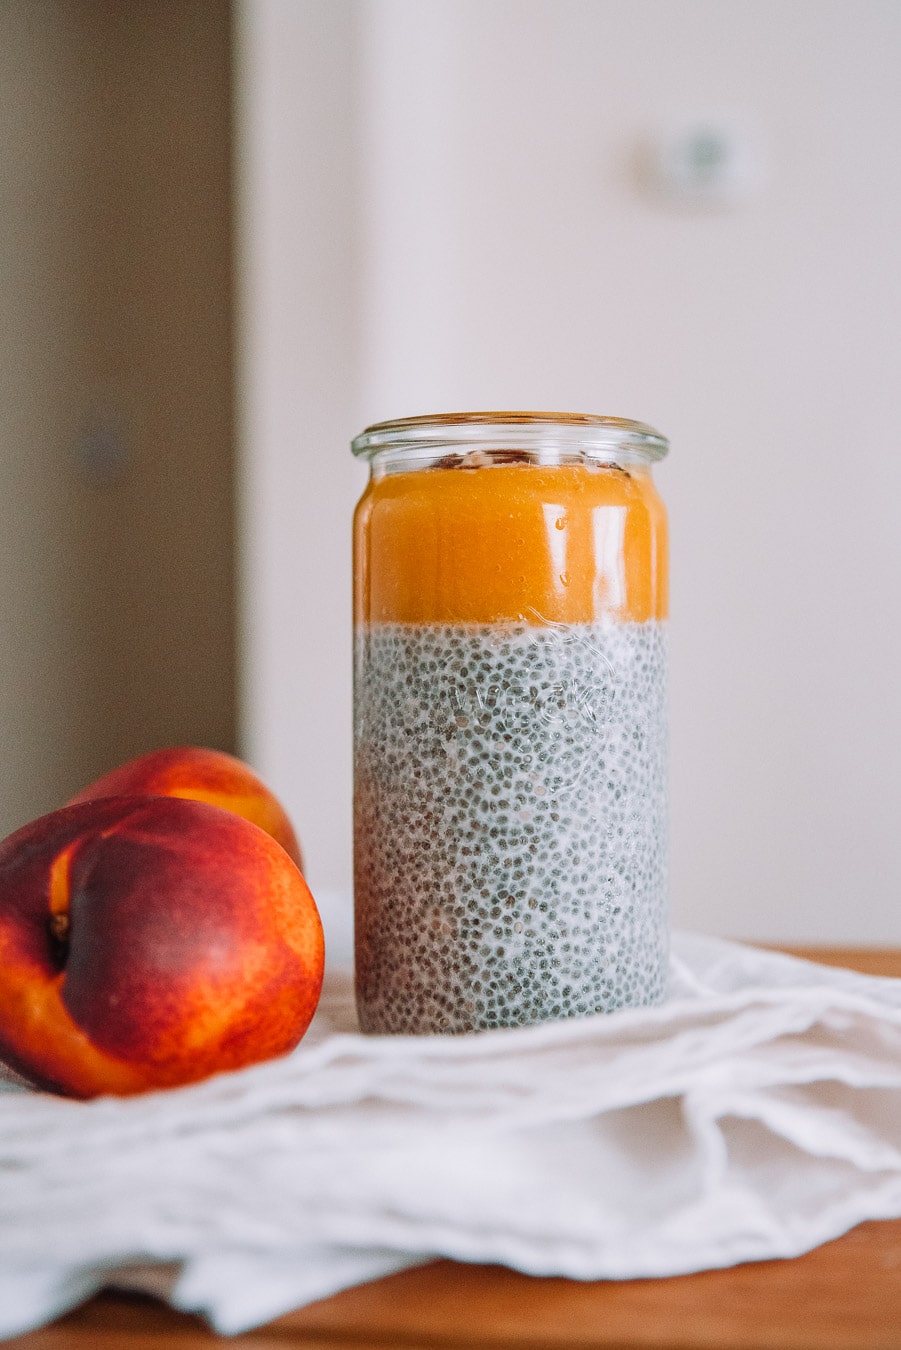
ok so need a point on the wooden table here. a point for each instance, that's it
(845, 1295)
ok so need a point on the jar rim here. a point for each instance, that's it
(525, 430)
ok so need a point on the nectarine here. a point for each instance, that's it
(203, 776)
(150, 941)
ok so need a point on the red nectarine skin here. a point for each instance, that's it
(150, 941)
(200, 775)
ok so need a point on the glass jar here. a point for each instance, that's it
(510, 795)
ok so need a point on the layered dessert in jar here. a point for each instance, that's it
(510, 794)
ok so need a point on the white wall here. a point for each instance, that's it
(440, 210)
(298, 406)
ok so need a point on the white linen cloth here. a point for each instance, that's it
(755, 1114)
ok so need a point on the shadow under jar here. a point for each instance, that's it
(510, 793)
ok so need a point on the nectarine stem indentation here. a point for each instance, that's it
(58, 930)
(58, 921)
(59, 927)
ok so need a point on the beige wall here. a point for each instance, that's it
(462, 172)
(116, 596)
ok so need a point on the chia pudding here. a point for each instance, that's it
(510, 606)
(510, 819)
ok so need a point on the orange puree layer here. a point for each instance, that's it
(511, 543)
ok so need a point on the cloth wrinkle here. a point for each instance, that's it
(753, 1115)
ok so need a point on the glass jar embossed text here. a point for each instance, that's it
(510, 597)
